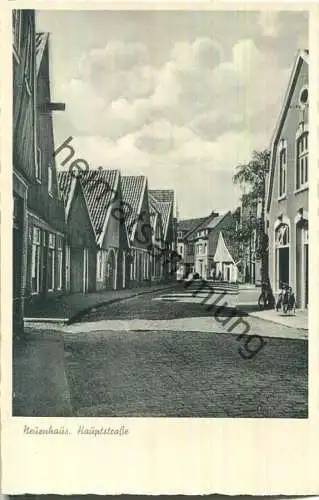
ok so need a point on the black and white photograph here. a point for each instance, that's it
(160, 177)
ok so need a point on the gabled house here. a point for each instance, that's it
(165, 204)
(23, 150)
(207, 241)
(226, 257)
(103, 192)
(157, 239)
(81, 248)
(287, 197)
(138, 224)
(46, 222)
(185, 247)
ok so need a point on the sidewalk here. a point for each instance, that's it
(247, 303)
(69, 308)
(40, 387)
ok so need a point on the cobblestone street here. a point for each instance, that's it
(134, 370)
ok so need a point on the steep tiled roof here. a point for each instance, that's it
(214, 223)
(65, 185)
(165, 208)
(163, 194)
(209, 222)
(154, 209)
(231, 244)
(132, 192)
(100, 189)
(189, 224)
(40, 43)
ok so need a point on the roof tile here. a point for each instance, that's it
(100, 189)
(132, 191)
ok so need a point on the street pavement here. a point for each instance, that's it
(168, 354)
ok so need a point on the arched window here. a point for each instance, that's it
(282, 235)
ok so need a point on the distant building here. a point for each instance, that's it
(165, 199)
(207, 241)
(185, 246)
(138, 225)
(288, 192)
(158, 247)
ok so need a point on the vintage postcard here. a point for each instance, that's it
(159, 211)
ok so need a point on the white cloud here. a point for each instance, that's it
(186, 123)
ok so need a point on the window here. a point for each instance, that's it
(302, 161)
(51, 262)
(100, 265)
(282, 169)
(303, 98)
(59, 269)
(38, 165)
(36, 261)
(50, 179)
(282, 236)
(16, 32)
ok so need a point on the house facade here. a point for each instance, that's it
(103, 192)
(185, 248)
(139, 229)
(23, 151)
(38, 220)
(156, 263)
(165, 199)
(46, 220)
(213, 251)
(287, 192)
(81, 247)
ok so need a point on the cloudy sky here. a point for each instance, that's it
(181, 97)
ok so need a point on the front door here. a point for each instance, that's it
(283, 264)
(77, 269)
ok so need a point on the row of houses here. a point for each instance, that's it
(74, 233)
(207, 246)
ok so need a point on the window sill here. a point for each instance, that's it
(304, 187)
(282, 197)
